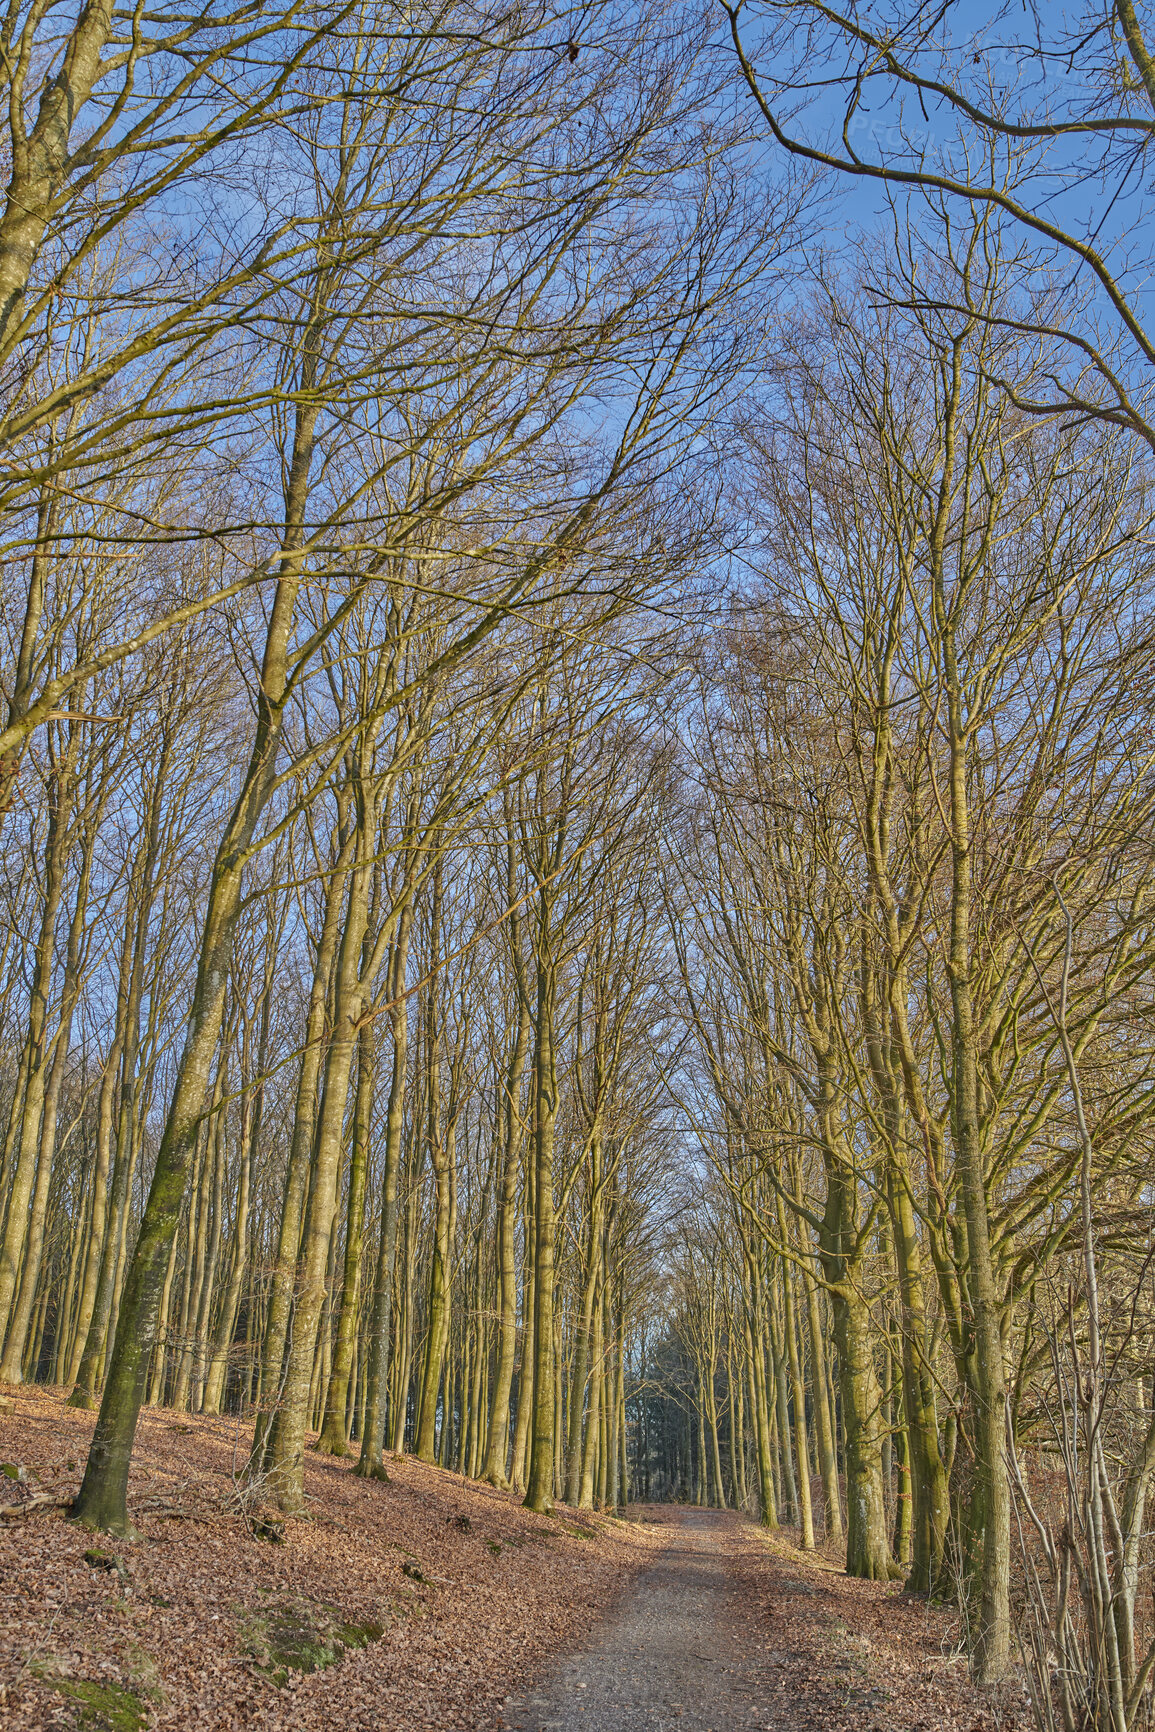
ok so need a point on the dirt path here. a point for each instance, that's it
(728, 1630)
(668, 1655)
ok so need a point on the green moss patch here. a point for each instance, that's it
(100, 1707)
(295, 1637)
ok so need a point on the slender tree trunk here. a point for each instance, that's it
(497, 1442)
(441, 1158)
(10, 1367)
(102, 1502)
(370, 1464)
(823, 1418)
(212, 1263)
(64, 1322)
(595, 1421)
(196, 1267)
(283, 1284)
(541, 1470)
(98, 1219)
(755, 1365)
(159, 1368)
(789, 1507)
(284, 1451)
(37, 1062)
(922, 1466)
(524, 1414)
(797, 1390)
(990, 1512)
(238, 1264)
(334, 1438)
(575, 1471)
(403, 1356)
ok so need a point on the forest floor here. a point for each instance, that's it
(430, 1603)
(730, 1629)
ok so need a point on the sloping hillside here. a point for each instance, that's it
(453, 1589)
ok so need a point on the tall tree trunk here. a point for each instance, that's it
(370, 1464)
(990, 1511)
(583, 1346)
(283, 1284)
(756, 1374)
(595, 1421)
(98, 1214)
(102, 1502)
(29, 1108)
(497, 1442)
(334, 1438)
(867, 1538)
(10, 1366)
(216, 1379)
(789, 1506)
(441, 1155)
(284, 1462)
(797, 1391)
(823, 1418)
(541, 1469)
(524, 1413)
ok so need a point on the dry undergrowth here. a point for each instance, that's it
(840, 1655)
(422, 1604)
(417, 1604)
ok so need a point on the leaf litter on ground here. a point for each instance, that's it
(419, 1604)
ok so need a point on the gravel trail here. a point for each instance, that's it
(669, 1655)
